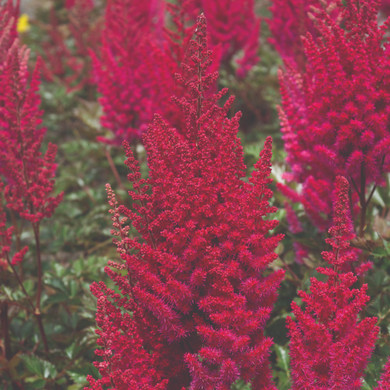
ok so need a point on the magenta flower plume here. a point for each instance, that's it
(330, 346)
(9, 13)
(195, 291)
(384, 382)
(29, 174)
(143, 46)
(71, 64)
(292, 20)
(335, 115)
(133, 72)
(234, 28)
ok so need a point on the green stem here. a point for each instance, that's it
(37, 309)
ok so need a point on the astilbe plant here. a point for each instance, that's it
(9, 13)
(330, 346)
(29, 175)
(135, 68)
(234, 26)
(193, 292)
(291, 20)
(132, 72)
(26, 174)
(335, 114)
(143, 45)
(70, 63)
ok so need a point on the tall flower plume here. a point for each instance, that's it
(9, 13)
(234, 27)
(71, 63)
(132, 70)
(291, 20)
(194, 289)
(143, 45)
(29, 175)
(335, 114)
(330, 346)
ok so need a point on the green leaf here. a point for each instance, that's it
(49, 370)
(56, 298)
(79, 375)
(241, 385)
(76, 386)
(378, 199)
(283, 358)
(57, 284)
(39, 367)
(72, 350)
(73, 287)
(365, 385)
(29, 286)
(36, 383)
(33, 364)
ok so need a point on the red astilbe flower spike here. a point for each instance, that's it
(291, 20)
(234, 29)
(335, 117)
(9, 13)
(384, 382)
(70, 63)
(133, 72)
(125, 361)
(86, 33)
(29, 175)
(330, 346)
(234, 26)
(197, 283)
(136, 65)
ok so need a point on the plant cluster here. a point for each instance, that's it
(198, 292)
(27, 175)
(335, 112)
(71, 31)
(231, 272)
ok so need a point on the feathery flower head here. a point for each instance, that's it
(335, 114)
(330, 346)
(196, 279)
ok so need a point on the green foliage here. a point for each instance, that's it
(282, 371)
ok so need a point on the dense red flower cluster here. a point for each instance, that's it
(8, 20)
(194, 292)
(234, 26)
(70, 63)
(291, 20)
(133, 72)
(330, 346)
(335, 116)
(28, 175)
(143, 47)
